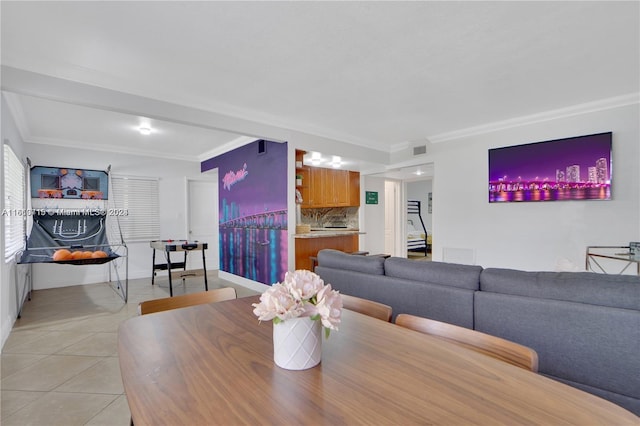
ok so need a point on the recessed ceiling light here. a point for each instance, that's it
(144, 130)
(316, 159)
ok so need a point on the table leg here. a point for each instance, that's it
(169, 270)
(204, 268)
(184, 268)
(153, 266)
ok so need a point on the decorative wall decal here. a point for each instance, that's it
(231, 178)
(253, 211)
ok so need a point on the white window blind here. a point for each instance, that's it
(14, 204)
(138, 198)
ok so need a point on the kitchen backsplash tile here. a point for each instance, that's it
(331, 217)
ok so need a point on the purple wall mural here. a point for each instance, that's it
(252, 189)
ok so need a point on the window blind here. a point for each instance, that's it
(137, 204)
(14, 204)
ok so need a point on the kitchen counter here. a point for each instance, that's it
(309, 244)
(329, 232)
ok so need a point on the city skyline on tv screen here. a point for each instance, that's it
(573, 168)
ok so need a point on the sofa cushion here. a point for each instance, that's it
(618, 291)
(441, 273)
(443, 303)
(340, 260)
(597, 346)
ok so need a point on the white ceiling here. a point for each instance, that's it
(375, 74)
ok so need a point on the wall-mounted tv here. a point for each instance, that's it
(576, 168)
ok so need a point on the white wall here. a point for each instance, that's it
(8, 305)
(535, 235)
(172, 176)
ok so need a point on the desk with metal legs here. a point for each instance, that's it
(618, 253)
(169, 246)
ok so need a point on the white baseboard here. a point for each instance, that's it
(250, 284)
(7, 325)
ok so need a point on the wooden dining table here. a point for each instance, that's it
(213, 364)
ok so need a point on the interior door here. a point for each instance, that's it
(390, 195)
(203, 222)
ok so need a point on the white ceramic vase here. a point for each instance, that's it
(297, 343)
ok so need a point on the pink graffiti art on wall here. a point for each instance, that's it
(231, 177)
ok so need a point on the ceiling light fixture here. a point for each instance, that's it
(316, 158)
(144, 130)
(336, 162)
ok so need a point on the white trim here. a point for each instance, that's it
(244, 282)
(585, 108)
(229, 146)
(16, 110)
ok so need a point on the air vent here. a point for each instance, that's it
(419, 150)
(262, 147)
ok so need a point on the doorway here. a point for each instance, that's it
(203, 220)
(419, 220)
(400, 185)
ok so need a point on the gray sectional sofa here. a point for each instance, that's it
(584, 326)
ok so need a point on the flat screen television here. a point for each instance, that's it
(576, 168)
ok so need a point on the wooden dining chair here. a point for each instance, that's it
(182, 301)
(496, 347)
(367, 307)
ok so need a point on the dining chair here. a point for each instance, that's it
(496, 347)
(182, 301)
(367, 307)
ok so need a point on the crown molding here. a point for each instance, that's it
(236, 143)
(107, 148)
(17, 112)
(585, 108)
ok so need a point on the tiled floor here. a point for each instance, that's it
(60, 362)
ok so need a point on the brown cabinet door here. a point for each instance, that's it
(331, 188)
(340, 184)
(318, 187)
(306, 248)
(354, 189)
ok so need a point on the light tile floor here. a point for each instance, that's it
(59, 365)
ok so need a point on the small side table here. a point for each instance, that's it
(169, 246)
(620, 253)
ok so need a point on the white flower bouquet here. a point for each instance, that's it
(302, 294)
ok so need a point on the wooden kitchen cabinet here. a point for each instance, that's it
(354, 189)
(324, 187)
(333, 188)
(339, 181)
(309, 247)
(317, 188)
